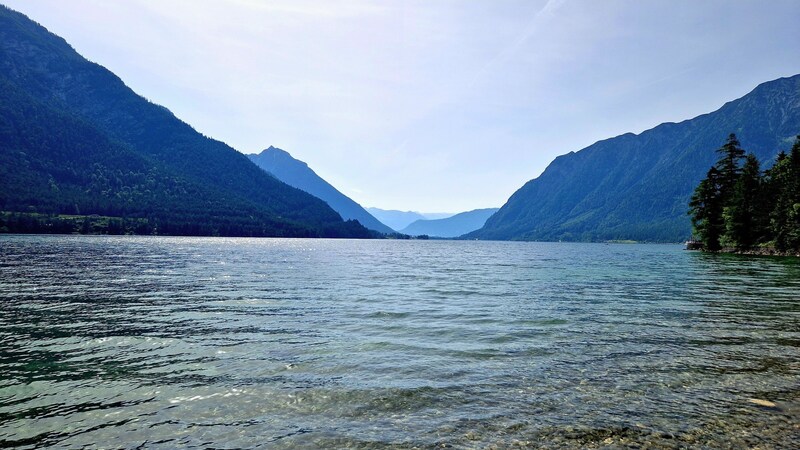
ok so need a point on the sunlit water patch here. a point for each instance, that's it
(243, 343)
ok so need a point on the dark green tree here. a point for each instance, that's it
(729, 165)
(792, 200)
(783, 181)
(745, 216)
(756, 209)
(775, 185)
(714, 194)
(706, 208)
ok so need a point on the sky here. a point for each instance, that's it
(432, 106)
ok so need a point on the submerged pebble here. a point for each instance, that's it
(761, 402)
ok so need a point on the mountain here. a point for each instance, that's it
(74, 139)
(638, 186)
(401, 219)
(397, 220)
(453, 226)
(296, 173)
(436, 216)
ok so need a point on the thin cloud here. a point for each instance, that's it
(546, 13)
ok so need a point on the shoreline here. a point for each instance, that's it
(755, 252)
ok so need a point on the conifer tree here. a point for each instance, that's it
(792, 201)
(706, 210)
(714, 194)
(742, 208)
(729, 165)
(744, 216)
(776, 186)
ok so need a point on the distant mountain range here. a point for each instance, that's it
(638, 186)
(398, 220)
(296, 173)
(450, 227)
(75, 140)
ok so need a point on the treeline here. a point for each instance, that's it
(36, 223)
(740, 207)
(16, 222)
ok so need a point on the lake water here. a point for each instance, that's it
(159, 342)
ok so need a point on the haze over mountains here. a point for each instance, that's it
(638, 186)
(297, 174)
(401, 219)
(450, 227)
(76, 140)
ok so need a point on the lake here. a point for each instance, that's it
(160, 342)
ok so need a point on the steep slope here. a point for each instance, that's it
(638, 186)
(296, 173)
(453, 226)
(41, 70)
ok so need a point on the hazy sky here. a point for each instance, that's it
(430, 105)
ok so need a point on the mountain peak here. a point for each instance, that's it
(296, 173)
(277, 156)
(272, 149)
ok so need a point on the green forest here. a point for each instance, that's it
(80, 152)
(60, 174)
(740, 207)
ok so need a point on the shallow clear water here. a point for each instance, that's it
(277, 343)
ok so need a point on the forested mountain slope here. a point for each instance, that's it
(638, 186)
(99, 148)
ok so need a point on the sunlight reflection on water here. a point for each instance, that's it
(219, 342)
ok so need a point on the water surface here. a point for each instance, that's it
(152, 342)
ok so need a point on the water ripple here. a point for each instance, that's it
(269, 343)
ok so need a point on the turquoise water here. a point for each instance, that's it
(128, 342)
